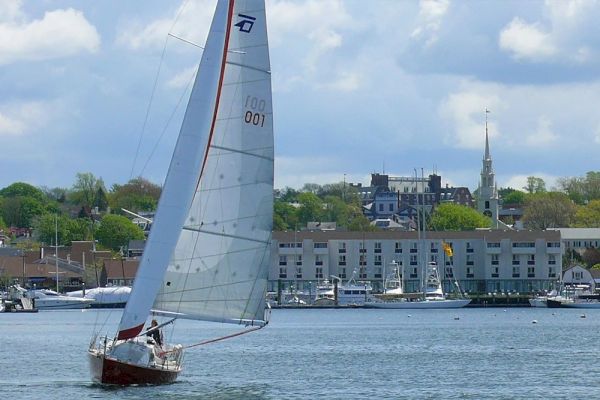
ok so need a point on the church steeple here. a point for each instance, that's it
(488, 191)
(487, 142)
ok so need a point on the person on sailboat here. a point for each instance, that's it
(155, 333)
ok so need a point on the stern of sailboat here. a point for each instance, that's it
(139, 362)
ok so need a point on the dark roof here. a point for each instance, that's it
(11, 252)
(136, 244)
(487, 234)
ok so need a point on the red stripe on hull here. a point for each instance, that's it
(112, 372)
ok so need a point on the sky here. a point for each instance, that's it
(359, 87)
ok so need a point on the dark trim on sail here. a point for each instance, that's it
(130, 333)
(219, 87)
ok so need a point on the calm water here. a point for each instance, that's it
(328, 354)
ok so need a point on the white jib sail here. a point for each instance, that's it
(213, 224)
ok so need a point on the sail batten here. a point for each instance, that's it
(249, 67)
(250, 239)
(245, 152)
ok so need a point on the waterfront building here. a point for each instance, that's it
(579, 239)
(483, 261)
(488, 200)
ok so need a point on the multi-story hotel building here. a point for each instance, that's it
(482, 261)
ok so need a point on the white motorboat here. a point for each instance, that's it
(104, 297)
(351, 294)
(432, 297)
(45, 299)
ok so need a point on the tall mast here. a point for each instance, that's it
(56, 247)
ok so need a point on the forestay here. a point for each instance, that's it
(217, 202)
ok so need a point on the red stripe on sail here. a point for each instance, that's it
(223, 61)
(130, 333)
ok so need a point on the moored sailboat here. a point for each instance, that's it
(208, 251)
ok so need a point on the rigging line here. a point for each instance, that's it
(168, 123)
(223, 234)
(209, 341)
(154, 86)
(200, 47)
(247, 153)
(186, 41)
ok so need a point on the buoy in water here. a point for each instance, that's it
(534, 321)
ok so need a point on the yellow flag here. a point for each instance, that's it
(447, 249)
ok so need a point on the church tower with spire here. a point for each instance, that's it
(488, 191)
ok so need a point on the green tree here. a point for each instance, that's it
(515, 197)
(548, 210)
(68, 229)
(287, 194)
(358, 222)
(55, 194)
(100, 200)
(138, 194)
(336, 211)
(115, 231)
(50, 226)
(285, 216)
(85, 189)
(311, 208)
(21, 189)
(588, 216)
(455, 217)
(20, 211)
(581, 189)
(591, 256)
(535, 185)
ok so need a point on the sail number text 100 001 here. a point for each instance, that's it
(255, 114)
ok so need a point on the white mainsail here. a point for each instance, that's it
(213, 225)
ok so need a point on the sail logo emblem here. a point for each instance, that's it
(246, 23)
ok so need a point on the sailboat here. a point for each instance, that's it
(208, 252)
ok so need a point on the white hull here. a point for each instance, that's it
(538, 302)
(580, 304)
(422, 304)
(53, 304)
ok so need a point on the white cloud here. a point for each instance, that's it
(10, 126)
(544, 136)
(526, 41)
(519, 182)
(183, 78)
(345, 82)
(191, 22)
(23, 118)
(466, 113)
(431, 15)
(566, 32)
(10, 10)
(318, 28)
(60, 33)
